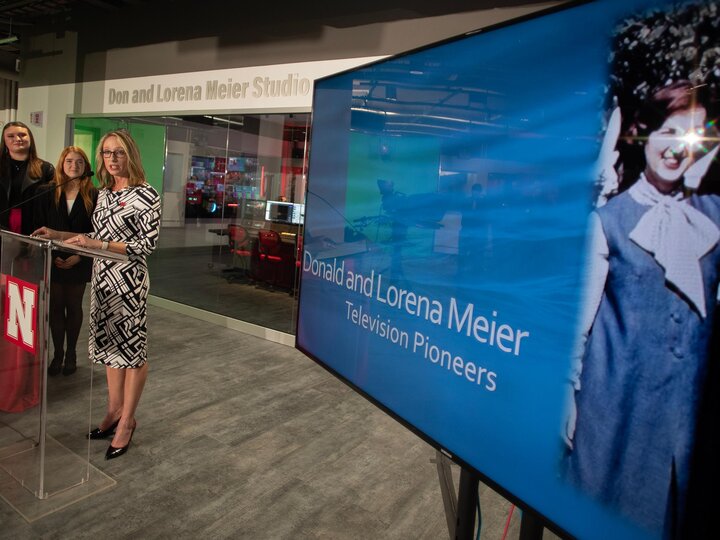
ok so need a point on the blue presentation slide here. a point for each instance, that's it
(511, 244)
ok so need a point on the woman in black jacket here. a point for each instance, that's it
(21, 173)
(67, 204)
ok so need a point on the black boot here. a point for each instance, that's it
(70, 364)
(56, 365)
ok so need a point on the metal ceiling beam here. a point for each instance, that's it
(20, 4)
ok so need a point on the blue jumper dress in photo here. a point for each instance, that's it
(642, 376)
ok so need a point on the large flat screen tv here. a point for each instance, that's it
(511, 246)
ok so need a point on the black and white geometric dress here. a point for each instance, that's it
(119, 290)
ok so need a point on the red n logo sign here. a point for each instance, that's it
(20, 313)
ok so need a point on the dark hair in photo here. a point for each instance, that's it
(662, 62)
(663, 103)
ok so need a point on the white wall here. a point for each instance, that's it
(53, 62)
(55, 103)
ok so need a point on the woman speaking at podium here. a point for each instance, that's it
(126, 221)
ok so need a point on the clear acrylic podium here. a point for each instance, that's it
(38, 473)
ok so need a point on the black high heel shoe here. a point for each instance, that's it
(98, 433)
(113, 452)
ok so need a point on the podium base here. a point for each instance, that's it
(73, 479)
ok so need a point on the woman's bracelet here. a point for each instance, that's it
(104, 244)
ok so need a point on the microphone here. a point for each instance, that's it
(86, 174)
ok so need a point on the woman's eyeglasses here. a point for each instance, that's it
(117, 153)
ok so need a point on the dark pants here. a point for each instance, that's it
(66, 316)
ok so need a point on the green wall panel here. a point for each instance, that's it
(150, 140)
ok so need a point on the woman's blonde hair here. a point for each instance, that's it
(62, 180)
(135, 168)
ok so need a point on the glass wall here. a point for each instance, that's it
(233, 193)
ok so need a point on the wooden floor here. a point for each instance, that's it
(242, 438)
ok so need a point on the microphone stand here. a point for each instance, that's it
(87, 174)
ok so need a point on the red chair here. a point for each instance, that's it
(240, 246)
(269, 245)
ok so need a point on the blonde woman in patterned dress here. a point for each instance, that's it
(126, 221)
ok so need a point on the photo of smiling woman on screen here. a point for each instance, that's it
(652, 282)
